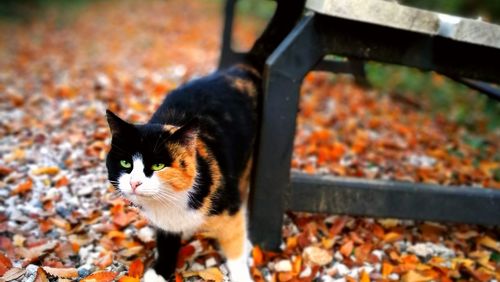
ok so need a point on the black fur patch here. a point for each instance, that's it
(168, 246)
(203, 183)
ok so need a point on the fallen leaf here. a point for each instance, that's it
(136, 268)
(61, 272)
(488, 242)
(5, 264)
(13, 274)
(414, 276)
(101, 276)
(346, 248)
(212, 273)
(41, 276)
(50, 170)
(22, 188)
(258, 256)
(128, 279)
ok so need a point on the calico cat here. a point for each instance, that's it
(188, 167)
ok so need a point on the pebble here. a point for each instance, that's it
(84, 271)
(283, 266)
(30, 274)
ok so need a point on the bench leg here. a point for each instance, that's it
(285, 69)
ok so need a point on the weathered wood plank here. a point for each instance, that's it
(392, 14)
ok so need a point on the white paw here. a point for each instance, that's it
(238, 270)
(152, 276)
(240, 277)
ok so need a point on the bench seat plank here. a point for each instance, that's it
(392, 14)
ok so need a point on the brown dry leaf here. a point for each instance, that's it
(414, 276)
(41, 276)
(212, 273)
(131, 251)
(61, 272)
(489, 242)
(105, 260)
(35, 252)
(50, 170)
(317, 256)
(136, 268)
(392, 237)
(13, 274)
(101, 276)
(123, 219)
(4, 171)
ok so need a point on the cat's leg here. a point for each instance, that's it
(234, 243)
(168, 245)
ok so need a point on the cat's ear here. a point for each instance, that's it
(116, 124)
(187, 134)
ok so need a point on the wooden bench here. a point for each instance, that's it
(365, 30)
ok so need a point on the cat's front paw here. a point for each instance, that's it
(238, 270)
(243, 276)
(152, 276)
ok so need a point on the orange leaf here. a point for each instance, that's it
(364, 277)
(346, 249)
(258, 256)
(22, 188)
(136, 268)
(105, 261)
(5, 264)
(392, 237)
(386, 269)
(128, 279)
(101, 276)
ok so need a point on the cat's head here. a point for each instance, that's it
(151, 163)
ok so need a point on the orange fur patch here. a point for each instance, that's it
(245, 86)
(229, 231)
(245, 180)
(180, 178)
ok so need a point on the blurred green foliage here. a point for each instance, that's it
(445, 96)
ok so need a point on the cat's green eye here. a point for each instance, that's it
(125, 164)
(158, 166)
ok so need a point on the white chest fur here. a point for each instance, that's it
(172, 217)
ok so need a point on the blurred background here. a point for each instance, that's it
(457, 102)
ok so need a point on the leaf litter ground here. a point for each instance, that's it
(60, 219)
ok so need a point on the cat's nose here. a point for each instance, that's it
(134, 185)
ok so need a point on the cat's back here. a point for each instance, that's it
(222, 95)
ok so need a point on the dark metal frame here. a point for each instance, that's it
(274, 191)
(228, 56)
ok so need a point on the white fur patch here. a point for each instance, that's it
(152, 276)
(238, 269)
(164, 207)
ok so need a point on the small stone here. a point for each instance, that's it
(283, 266)
(84, 271)
(196, 267)
(146, 234)
(30, 274)
(306, 272)
(393, 276)
(211, 262)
